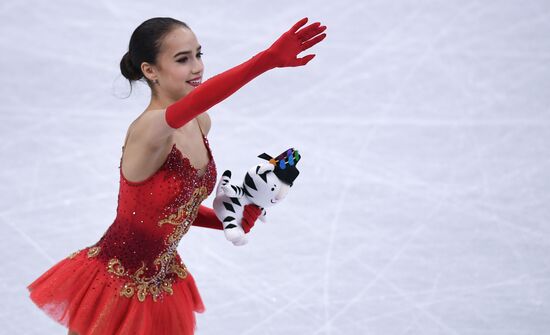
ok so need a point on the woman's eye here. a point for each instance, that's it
(184, 59)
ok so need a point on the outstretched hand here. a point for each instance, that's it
(286, 48)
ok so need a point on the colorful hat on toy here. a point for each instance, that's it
(285, 165)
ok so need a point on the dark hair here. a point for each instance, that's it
(145, 45)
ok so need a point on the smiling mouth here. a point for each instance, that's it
(195, 83)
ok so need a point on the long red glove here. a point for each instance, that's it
(282, 53)
(207, 218)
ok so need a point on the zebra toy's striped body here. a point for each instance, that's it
(260, 187)
(229, 202)
(264, 185)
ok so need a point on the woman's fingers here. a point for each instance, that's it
(303, 61)
(313, 41)
(307, 32)
(286, 48)
(313, 32)
(298, 24)
(253, 210)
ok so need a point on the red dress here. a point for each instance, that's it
(133, 281)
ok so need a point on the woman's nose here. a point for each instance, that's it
(197, 67)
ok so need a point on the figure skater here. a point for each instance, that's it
(133, 281)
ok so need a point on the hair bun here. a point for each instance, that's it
(128, 70)
(144, 46)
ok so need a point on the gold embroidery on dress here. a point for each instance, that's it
(187, 211)
(116, 267)
(165, 263)
(144, 285)
(93, 251)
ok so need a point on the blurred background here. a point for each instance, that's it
(422, 205)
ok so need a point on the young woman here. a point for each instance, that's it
(133, 281)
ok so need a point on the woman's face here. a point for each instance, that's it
(179, 66)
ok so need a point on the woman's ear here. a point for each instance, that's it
(149, 71)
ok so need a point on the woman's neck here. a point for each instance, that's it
(159, 101)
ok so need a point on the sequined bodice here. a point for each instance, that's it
(152, 217)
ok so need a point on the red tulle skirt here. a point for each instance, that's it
(80, 294)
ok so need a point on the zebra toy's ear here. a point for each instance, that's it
(265, 168)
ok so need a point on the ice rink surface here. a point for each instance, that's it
(423, 201)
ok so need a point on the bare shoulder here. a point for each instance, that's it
(205, 122)
(147, 144)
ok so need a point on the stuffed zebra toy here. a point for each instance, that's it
(264, 185)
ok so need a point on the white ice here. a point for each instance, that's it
(422, 205)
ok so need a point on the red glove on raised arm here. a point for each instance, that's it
(250, 215)
(282, 53)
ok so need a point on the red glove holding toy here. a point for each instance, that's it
(251, 213)
(207, 218)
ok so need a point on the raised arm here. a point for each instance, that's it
(282, 53)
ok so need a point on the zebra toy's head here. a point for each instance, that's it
(263, 187)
